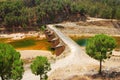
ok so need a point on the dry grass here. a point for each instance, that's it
(96, 23)
(4, 40)
(93, 77)
(79, 37)
(27, 61)
(118, 43)
(79, 78)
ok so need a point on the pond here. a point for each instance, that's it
(30, 43)
(82, 41)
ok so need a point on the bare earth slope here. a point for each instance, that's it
(90, 27)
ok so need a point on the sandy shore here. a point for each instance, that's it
(29, 55)
(26, 54)
(16, 36)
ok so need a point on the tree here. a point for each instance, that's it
(34, 13)
(40, 66)
(11, 67)
(100, 47)
(29, 3)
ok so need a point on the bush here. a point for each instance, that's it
(40, 66)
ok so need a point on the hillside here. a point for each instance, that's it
(23, 15)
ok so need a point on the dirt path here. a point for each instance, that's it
(28, 74)
(76, 62)
(26, 54)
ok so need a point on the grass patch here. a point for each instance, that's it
(23, 43)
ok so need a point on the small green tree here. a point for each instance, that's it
(40, 66)
(11, 67)
(100, 47)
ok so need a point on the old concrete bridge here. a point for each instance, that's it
(68, 53)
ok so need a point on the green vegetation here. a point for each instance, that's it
(24, 14)
(40, 66)
(11, 67)
(23, 43)
(100, 47)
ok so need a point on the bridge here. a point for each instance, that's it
(67, 52)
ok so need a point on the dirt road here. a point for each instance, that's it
(76, 61)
